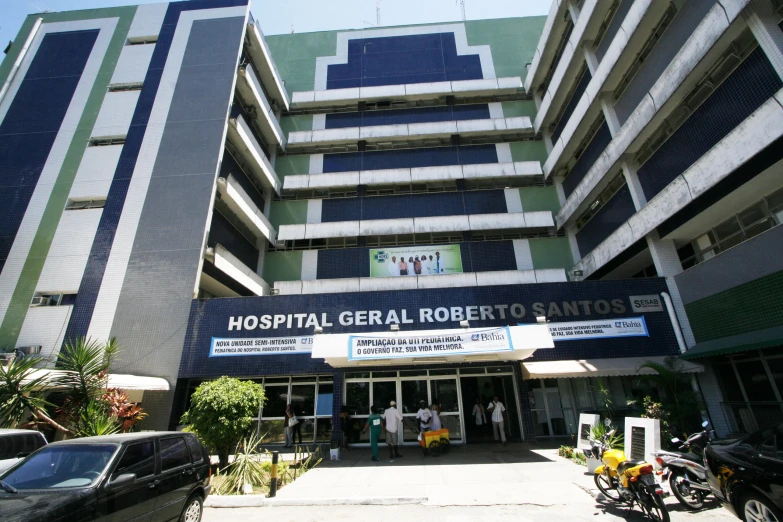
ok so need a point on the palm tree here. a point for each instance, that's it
(681, 401)
(20, 389)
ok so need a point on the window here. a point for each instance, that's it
(173, 453)
(105, 142)
(196, 450)
(12, 445)
(752, 221)
(53, 299)
(772, 448)
(138, 459)
(122, 87)
(603, 198)
(142, 40)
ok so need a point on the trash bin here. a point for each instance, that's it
(334, 450)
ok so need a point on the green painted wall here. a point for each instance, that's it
(295, 55)
(519, 108)
(28, 279)
(756, 305)
(513, 41)
(539, 198)
(528, 151)
(301, 122)
(551, 252)
(282, 266)
(288, 213)
(294, 164)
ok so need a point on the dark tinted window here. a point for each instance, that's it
(12, 445)
(138, 459)
(772, 448)
(195, 449)
(173, 453)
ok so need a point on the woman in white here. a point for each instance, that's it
(478, 413)
(435, 409)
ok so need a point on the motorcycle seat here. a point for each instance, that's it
(692, 457)
(628, 464)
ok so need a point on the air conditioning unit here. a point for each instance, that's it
(40, 300)
(29, 350)
(279, 244)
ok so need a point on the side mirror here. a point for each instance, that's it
(705, 424)
(607, 422)
(122, 480)
(22, 454)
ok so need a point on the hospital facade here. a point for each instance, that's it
(531, 208)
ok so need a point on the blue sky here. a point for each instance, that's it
(276, 16)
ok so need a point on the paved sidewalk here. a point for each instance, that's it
(475, 475)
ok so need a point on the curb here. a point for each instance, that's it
(240, 501)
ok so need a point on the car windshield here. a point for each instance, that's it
(66, 466)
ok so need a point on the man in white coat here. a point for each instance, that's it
(392, 419)
(394, 268)
(497, 410)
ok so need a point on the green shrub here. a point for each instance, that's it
(566, 451)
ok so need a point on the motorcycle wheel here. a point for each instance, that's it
(654, 507)
(606, 486)
(691, 499)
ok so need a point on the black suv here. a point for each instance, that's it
(152, 476)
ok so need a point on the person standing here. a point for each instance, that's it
(403, 266)
(394, 269)
(479, 416)
(425, 266)
(345, 425)
(438, 264)
(435, 410)
(392, 422)
(296, 426)
(417, 266)
(411, 266)
(375, 425)
(287, 425)
(496, 409)
(424, 416)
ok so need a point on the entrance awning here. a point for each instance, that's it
(116, 380)
(597, 368)
(737, 343)
(511, 343)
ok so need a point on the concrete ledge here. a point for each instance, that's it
(240, 501)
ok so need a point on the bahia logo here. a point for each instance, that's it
(618, 324)
(628, 324)
(475, 337)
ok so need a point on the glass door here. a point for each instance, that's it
(446, 393)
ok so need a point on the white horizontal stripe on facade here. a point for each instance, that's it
(415, 225)
(245, 208)
(749, 138)
(378, 284)
(230, 265)
(117, 264)
(242, 137)
(68, 254)
(250, 87)
(522, 254)
(408, 91)
(387, 176)
(20, 249)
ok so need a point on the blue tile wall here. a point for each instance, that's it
(209, 318)
(34, 117)
(612, 30)
(223, 232)
(749, 86)
(410, 158)
(581, 85)
(616, 212)
(483, 256)
(414, 205)
(104, 236)
(230, 166)
(666, 48)
(591, 153)
(403, 59)
(341, 120)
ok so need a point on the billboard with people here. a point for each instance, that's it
(415, 261)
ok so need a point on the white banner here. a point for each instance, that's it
(572, 331)
(260, 346)
(429, 344)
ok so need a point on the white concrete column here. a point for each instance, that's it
(522, 254)
(590, 58)
(309, 265)
(269, 195)
(632, 179)
(762, 21)
(314, 207)
(559, 188)
(570, 231)
(537, 99)
(573, 9)
(667, 264)
(607, 106)
(261, 256)
(547, 136)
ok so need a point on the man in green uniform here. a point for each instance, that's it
(375, 424)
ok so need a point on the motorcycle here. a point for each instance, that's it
(685, 471)
(628, 481)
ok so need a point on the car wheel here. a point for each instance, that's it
(759, 509)
(192, 510)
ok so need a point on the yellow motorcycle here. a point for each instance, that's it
(628, 481)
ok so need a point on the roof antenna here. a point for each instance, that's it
(378, 13)
(462, 7)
